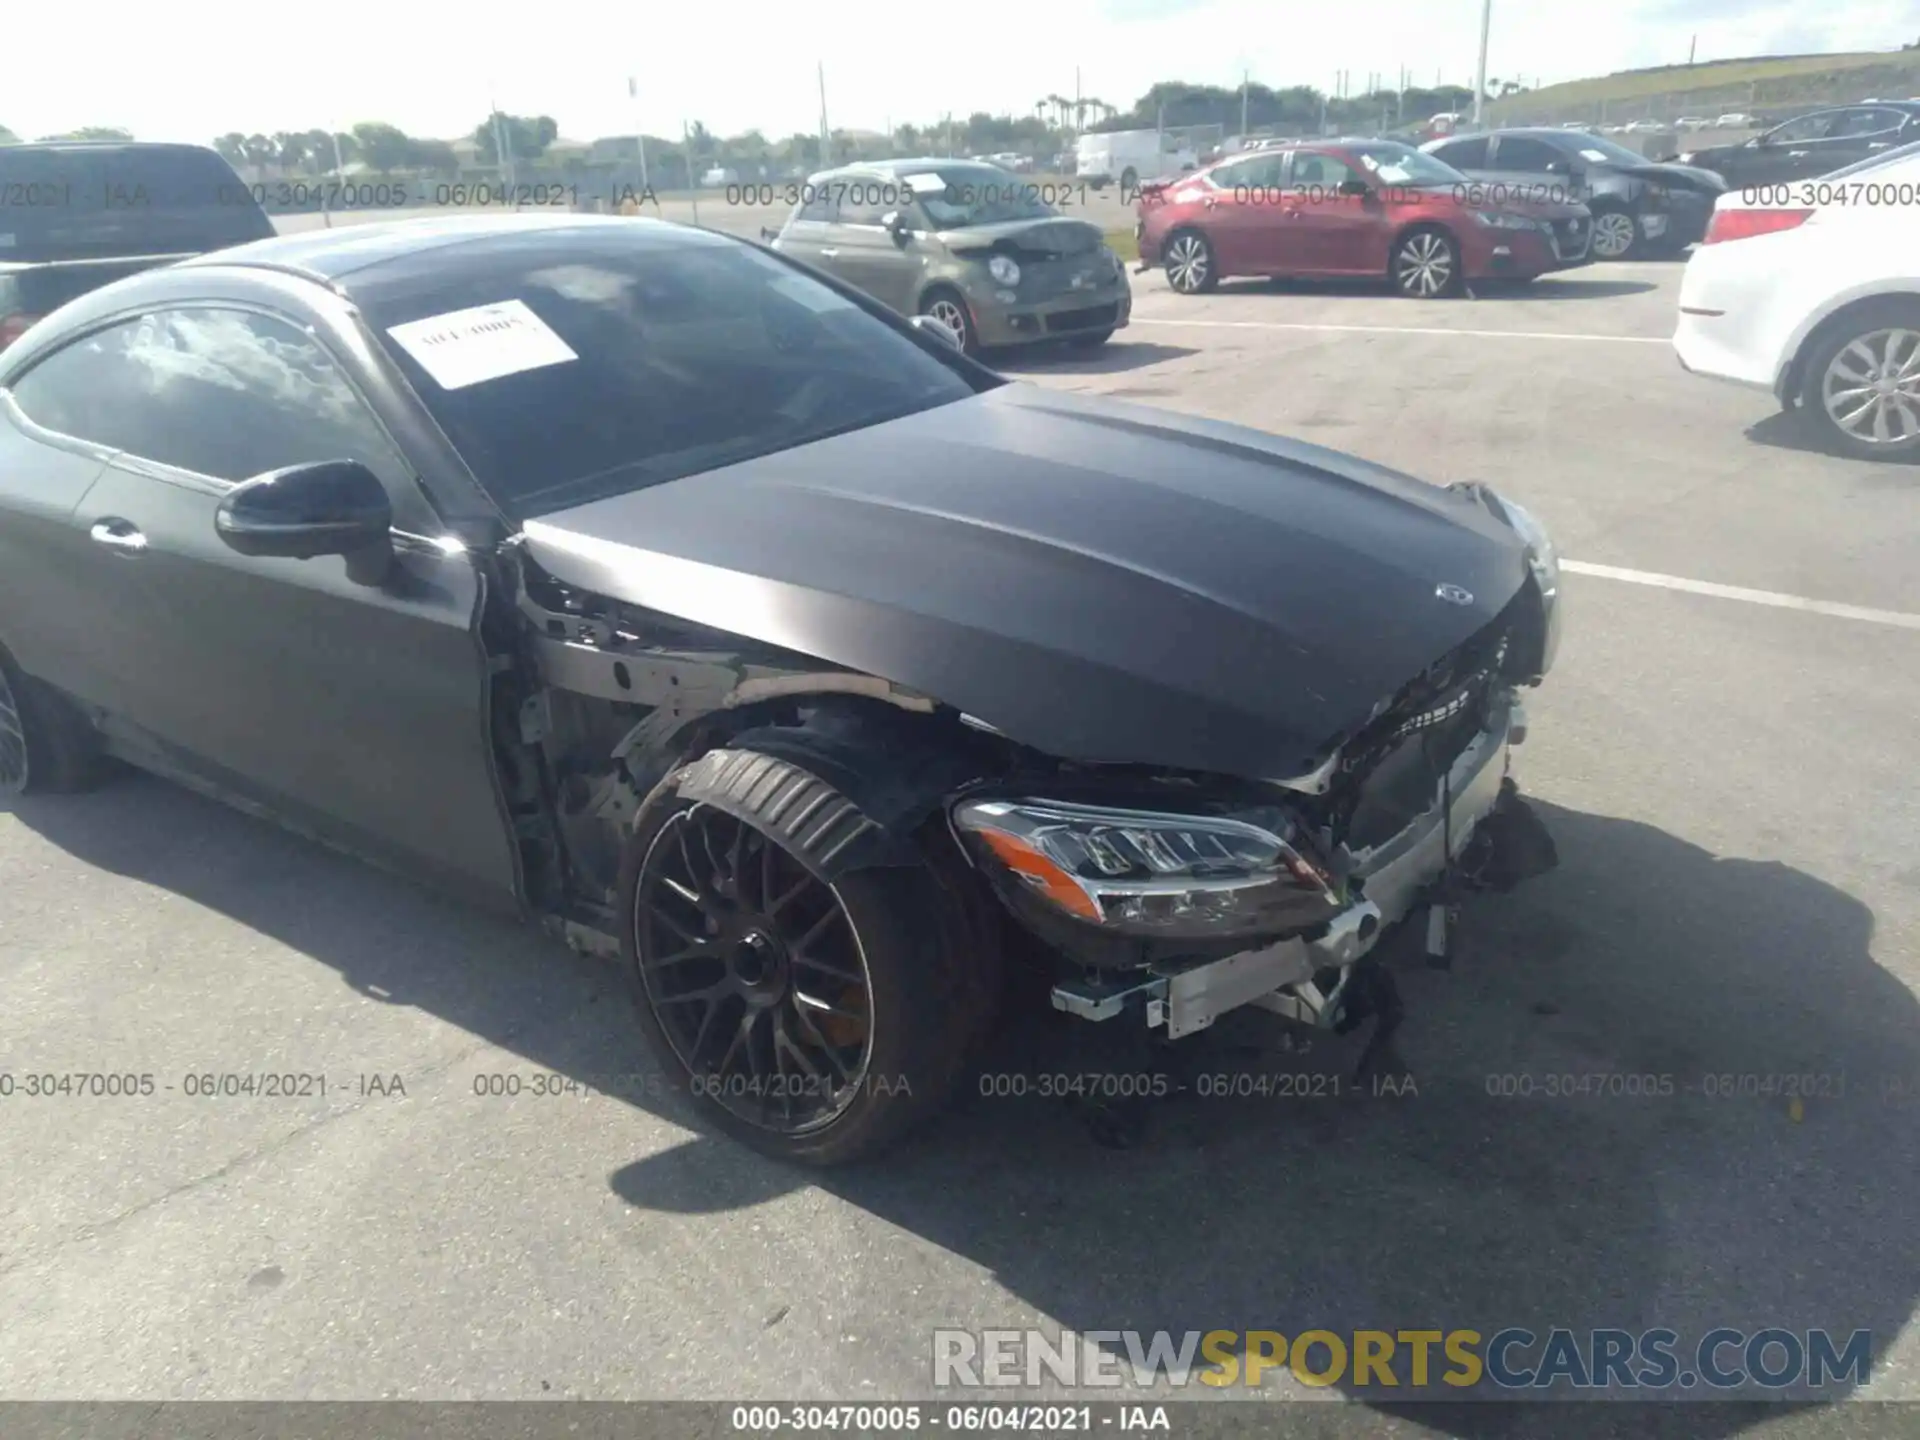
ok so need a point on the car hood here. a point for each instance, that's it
(1046, 238)
(1674, 176)
(1101, 581)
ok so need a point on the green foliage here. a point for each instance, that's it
(527, 137)
(92, 132)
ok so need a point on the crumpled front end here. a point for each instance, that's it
(1277, 895)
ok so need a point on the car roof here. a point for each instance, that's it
(27, 147)
(330, 255)
(918, 165)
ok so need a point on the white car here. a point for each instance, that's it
(1811, 289)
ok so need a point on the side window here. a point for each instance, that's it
(1231, 175)
(1867, 122)
(1264, 170)
(1464, 154)
(1528, 156)
(224, 393)
(1314, 171)
(860, 202)
(1808, 127)
(816, 204)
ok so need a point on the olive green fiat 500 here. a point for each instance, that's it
(971, 245)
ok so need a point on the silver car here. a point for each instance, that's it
(972, 245)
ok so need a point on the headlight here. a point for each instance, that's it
(1149, 873)
(1003, 269)
(1543, 559)
(1497, 220)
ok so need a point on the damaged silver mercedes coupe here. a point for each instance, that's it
(648, 582)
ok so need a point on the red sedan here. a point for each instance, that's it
(1356, 208)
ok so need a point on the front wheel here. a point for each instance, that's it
(950, 310)
(1426, 264)
(45, 747)
(815, 1021)
(1189, 263)
(1616, 236)
(1862, 389)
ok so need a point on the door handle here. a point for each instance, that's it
(118, 535)
(1796, 154)
(1210, 202)
(830, 253)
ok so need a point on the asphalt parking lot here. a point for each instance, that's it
(1730, 779)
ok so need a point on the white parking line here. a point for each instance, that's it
(1738, 592)
(1410, 330)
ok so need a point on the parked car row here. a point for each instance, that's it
(1346, 208)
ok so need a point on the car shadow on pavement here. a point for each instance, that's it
(1461, 1203)
(1547, 287)
(1462, 1206)
(1115, 357)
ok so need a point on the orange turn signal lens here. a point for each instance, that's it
(1045, 876)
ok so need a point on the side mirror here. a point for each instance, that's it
(329, 507)
(927, 325)
(1355, 188)
(896, 224)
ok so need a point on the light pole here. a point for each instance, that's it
(1480, 74)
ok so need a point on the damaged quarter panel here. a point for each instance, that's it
(1101, 582)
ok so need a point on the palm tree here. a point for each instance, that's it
(290, 149)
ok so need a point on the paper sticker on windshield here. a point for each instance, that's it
(1595, 156)
(466, 347)
(816, 297)
(927, 182)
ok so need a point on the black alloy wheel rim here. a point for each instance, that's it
(13, 739)
(754, 971)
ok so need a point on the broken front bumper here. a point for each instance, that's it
(1388, 881)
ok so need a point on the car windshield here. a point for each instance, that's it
(1403, 165)
(609, 360)
(962, 196)
(1598, 150)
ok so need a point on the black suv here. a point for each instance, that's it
(74, 216)
(1640, 206)
(1816, 143)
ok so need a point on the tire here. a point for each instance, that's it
(949, 306)
(1616, 234)
(1848, 401)
(898, 979)
(45, 748)
(1190, 263)
(1092, 340)
(1426, 264)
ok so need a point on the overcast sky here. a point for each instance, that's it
(189, 73)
